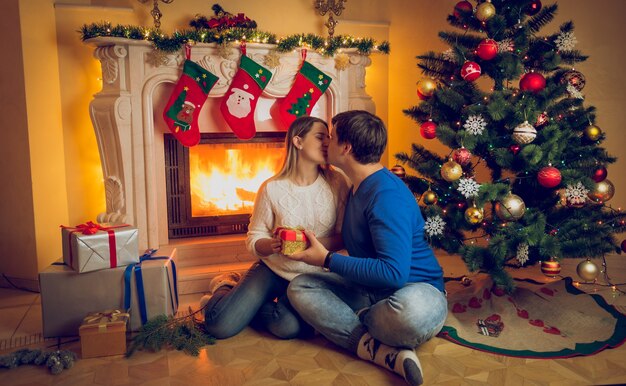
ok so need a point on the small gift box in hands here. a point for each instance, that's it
(294, 240)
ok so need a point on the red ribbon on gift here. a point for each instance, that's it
(291, 234)
(91, 228)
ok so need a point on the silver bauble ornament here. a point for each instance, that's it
(511, 208)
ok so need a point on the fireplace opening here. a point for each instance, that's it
(211, 187)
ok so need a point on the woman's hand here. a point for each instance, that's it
(268, 246)
(314, 254)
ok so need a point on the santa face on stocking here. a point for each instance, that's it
(239, 102)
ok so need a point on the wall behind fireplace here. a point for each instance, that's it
(51, 169)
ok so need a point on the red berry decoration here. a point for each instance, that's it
(532, 81)
(487, 49)
(549, 177)
(462, 156)
(428, 129)
(399, 171)
(514, 149)
(533, 8)
(463, 7)
(600, 174)
(470, 71)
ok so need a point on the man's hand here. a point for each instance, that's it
(314, 254)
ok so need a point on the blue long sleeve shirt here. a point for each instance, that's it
(383, 231)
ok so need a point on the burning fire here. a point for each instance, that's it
(226, 177)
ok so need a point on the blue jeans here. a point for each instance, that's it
(406, 317)
(259, 298)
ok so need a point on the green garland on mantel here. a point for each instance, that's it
(173, 43)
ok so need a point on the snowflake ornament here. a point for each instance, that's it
(522, 253)
(449, 55)
(475, 124)
(506, 45)
(576, 194)
(468, 187)
(574, 93)
(565, 41)
(434, 225)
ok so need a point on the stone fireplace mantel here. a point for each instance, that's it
(126, 115)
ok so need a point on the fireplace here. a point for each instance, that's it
(131, 134)
(211, 187)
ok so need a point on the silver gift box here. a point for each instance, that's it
(67, 296)
(86, 253)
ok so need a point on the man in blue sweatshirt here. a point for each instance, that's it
(386, 296)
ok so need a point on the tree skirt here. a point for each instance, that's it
(554, 320)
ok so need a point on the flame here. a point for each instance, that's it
(225, 177)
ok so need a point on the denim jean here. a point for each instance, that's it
(259, 298)
(405, 317)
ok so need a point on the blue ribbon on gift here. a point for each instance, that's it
(136, 267)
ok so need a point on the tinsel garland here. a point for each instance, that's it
(173, 43)
(56, 360)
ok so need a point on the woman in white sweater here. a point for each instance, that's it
(305, 193)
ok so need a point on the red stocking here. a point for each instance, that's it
(190, 93)
(240, 101)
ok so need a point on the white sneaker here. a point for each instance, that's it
(229, 278)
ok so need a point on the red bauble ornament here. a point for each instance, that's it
(533, 8)
(462, 156)
(399, 171)
(532, 81)
(542, 119)
(549, 177)
(428, 129)
(624, 246)
(487, 49)
(422, 96)
(463, 7)
(600, 174)
(514, 149)
(470, 71)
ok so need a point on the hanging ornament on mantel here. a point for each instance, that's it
(524, 133)
(342, 61)
(451, 171)
(470, 71)
(428, 129)
(487, 49)
(272, 59)
(485, 11)
(549, 177)
(532, 81)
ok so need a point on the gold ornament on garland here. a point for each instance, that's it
(511, 208)
(272, 59)
(485, 11)
(157, 58)
(473, 215)
(224, 50)
(342, 61)
(430, 197)
(602, 191)
(592, 133)
(587, 270)
(451, 171)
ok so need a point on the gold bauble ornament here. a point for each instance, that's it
(511, 208)
(272, 59)
(592, 132)
(451, 171)
(426, 87)
(430, 197)
(485, 11)
(602, 191)
(587, 270)
(473, 215)
(342, 61)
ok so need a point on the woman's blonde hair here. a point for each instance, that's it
(299, 128)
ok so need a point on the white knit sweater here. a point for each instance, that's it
(313, 207)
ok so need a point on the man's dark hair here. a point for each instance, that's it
(364, 131)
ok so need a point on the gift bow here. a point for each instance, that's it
(102, 318)
(91, 228)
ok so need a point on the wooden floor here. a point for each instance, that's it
(255, 358)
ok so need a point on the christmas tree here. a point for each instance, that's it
(525, 179)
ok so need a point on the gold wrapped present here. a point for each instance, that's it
(294, 240)
(103, 334)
